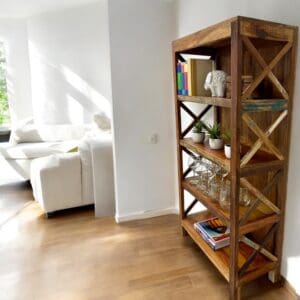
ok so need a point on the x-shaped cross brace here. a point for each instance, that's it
(262, 137)
(267, 69)
(196, 118)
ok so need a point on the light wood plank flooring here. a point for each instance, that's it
(75, 256)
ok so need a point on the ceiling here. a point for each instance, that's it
(26, 8)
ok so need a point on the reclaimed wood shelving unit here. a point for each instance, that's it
(260, 128)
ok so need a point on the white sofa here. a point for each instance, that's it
(58, 161)
(15, 159)
(29, 141)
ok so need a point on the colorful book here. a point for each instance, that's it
(182, 78)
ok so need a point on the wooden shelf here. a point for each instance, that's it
(215, 35)
(260, 127)
(216, 101)
(260, 162)
(220, 258)
(259, 218)
(249, 105)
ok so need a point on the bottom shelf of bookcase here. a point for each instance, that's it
(220, 258)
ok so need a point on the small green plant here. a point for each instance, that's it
(214, 131)
(226, 136)
(198, 128)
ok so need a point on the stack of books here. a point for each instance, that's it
(214, 232)
(182, 78)
(191, 77)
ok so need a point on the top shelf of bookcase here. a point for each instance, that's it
(216, 35)
(249, 105)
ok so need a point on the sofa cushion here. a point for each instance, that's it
(102, 121)
(35, 150)
(32, 133)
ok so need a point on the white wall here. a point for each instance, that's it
(70, 64)
(192, 15)
(141, 32)
(14, 34)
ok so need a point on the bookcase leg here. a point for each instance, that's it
(183, 232)
(275, 276)
(234, 292)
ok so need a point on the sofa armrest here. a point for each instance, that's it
(102, 174)
(56, 181)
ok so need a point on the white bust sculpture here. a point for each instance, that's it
(216, 82)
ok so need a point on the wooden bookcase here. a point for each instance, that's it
(260, 131)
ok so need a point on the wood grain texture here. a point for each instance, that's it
(178, 137)
(204, 37)
(256, 220)
(236, 87)
(216, 156)
(247, 157)
(264, 51)
(265, 66)
(75, 256)
(224, 102)
(221, 258)
(261, 161)
(254, 205)
(259, 105)
(250, 89)
(262, 136)
(215, 34)
(256, 246)
(266, 30)
(259, 195)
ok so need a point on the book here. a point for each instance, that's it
(191, 76)
(181, 78)
(214, 232)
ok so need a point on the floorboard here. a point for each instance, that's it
(75, 256)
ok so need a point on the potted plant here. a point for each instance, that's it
(198, 134)
(227, 148)
(215, 140)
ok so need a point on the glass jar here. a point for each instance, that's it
(214, 188)
(244, 197)
(224, 195)
(203, 181)
(194, 162)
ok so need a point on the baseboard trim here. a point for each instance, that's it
(291, 290)
(146, 214)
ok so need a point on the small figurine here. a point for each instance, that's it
(216, 82)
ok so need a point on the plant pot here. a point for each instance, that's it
(198, 137)
(215, 144)
(227, 151)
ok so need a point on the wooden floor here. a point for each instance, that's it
(75, 256)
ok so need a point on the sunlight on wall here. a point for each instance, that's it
(84, 88)
(60, 95)
(38, 63)
(75, 110)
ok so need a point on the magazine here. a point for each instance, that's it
(214, 232)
